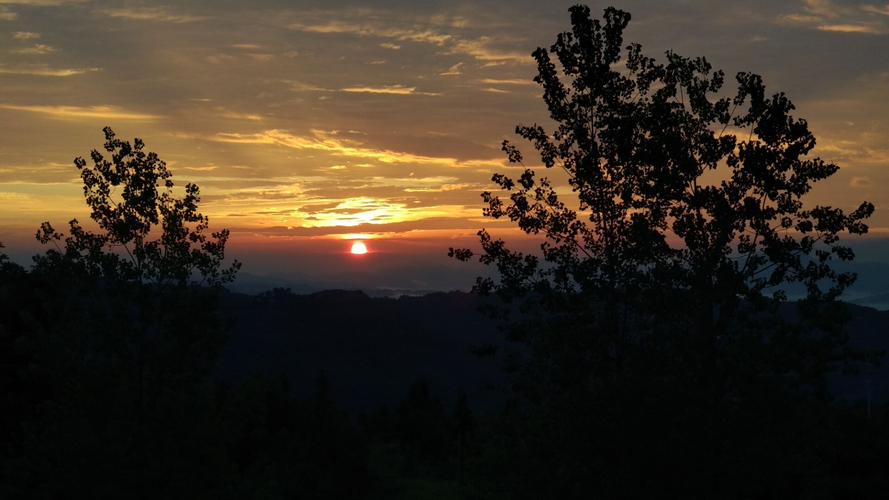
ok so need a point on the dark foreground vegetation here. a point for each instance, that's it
(389, 401)
(648, 351)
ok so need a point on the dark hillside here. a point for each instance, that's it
(372, 349)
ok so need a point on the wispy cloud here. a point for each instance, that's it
(26, 35)
(361, 211)
(7, 15)
(68, 112)
(831, 17)
(454, 70)
(308, 87)
(42, 3)
(241, 116)
(328, 142)
(262, 57)
(37, 49)
(387, 89)
(850, 28)
(882, 10)
(404, 35)
(154, 14)
(860, 182)
(508, 81)
(480, 48)
(45, 71)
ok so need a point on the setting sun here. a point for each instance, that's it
(359, 248)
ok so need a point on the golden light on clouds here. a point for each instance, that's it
(45, 71)
(332, 122)
(156, 14)
(850, 28)
(331, 143)
(387, 89)
(86, 112)
(365, 210)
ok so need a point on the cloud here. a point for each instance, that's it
(45, 173)
(7, 15)
(307, 87)
(478, 48)
(850, 28)
(46, 71)
(454, 70)
(241, 116)
(823, 8)
(42, 3)
(68, 112)
(390, 46)
(876, 9)
(327, 142)
(363, 210)
(404, 35)
(37, 49)
(367, 230)
(387, 89)
(26, 35)
(827, 16)
(481, 49)
(860, 182)
(261, 57)
(153, 14)
(508, 81)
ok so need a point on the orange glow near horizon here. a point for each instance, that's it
(359, 248)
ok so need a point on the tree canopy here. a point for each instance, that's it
(677, 183)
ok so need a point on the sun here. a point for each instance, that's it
(359, 248)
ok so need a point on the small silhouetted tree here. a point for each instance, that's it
(650, 314)
(146, 233)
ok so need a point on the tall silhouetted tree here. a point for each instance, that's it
(655, 340)
(113, 350)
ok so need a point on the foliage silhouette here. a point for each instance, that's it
(148, 234)
(656, 344)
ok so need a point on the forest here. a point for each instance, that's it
(650, 349)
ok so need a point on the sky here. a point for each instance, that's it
(307, 124)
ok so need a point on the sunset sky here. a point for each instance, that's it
(305, 123)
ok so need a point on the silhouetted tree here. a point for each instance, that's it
(114, 352)
(147, 233)
(651, 316)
